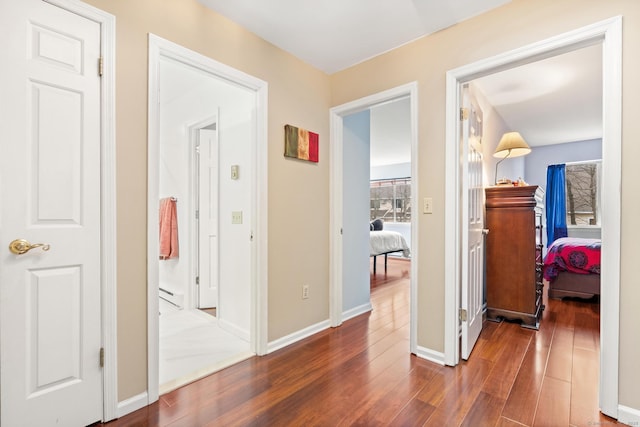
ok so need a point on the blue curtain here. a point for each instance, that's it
(556, 204)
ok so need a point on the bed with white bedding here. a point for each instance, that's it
(384, 242)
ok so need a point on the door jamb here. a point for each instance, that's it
(336, 206)
(609, 33)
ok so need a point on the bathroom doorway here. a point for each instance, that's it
(203, 251)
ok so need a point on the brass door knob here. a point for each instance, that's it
(21, 246)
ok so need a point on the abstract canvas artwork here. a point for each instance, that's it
(300, 143)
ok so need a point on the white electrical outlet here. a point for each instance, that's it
(305, 291)
(427, 205)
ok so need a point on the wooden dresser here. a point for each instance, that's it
(514, 254)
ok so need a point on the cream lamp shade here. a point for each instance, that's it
(512, 144)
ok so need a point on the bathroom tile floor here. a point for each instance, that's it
(192, 346)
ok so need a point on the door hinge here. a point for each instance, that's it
(463, 315)
(464, 113)
(100, 66)
(197, 214)
(197, 280)
(102, 357)
(251, 237)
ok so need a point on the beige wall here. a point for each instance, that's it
(427, 60)
(298, 191)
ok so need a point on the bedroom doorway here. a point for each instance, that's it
(609, 35)
(349, 122)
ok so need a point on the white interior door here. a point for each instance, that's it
(472, 277)
(208, 242)
(50, 191)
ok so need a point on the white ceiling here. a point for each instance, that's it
(333, 35)
(551, 101)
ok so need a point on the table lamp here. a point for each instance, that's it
(511, 145)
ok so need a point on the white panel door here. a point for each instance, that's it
(473, 223)
(50, 320)
(208, 244)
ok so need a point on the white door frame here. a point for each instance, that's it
(108, 230)
(336, 203)
(159, 47)
(193, 297)
(609, 34)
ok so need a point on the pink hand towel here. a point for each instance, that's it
(168, 228)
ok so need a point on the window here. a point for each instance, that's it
(391, 200)
(583, 196)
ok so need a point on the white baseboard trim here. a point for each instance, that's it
(629, 416)
(356, 311)
(430, 355)
(234, 330)
(297, 336)
(132, 404)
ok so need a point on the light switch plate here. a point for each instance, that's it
(236, 217)
(235, 171)
(428, 205)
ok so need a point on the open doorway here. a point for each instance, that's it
(349, 123)
(210, 266)
(205, 252)
(608, 34)
(390, 204)
(390, 173)
(376, 200)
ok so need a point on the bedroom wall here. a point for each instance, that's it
(391, 134)
(396, 170)
(426, 61)
(298, 192)
(355, 249)
(540, 157)
(493, 129)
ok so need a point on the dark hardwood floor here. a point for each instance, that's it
(362, 374)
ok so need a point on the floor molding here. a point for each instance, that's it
(356, 311)
(628, 415)
(297, 336)
(430, 355)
